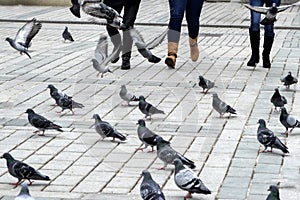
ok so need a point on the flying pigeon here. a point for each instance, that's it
(22, 171)
(270, 12)
(65, 102)
(149, 189)
(221, 107)
(267, 138)
(157, 40)
(278, 100)
(101, 59)
(147, 108)
(148, 137)
(106, 130)
(167, 154)
(288, 121)
(141, 46)
(99, 10)
(24, 36)
(126, 95)
(24, 193)
(75, 8)
(289, 80)
(187, 180)
(274, 193)
(205, 84)
(41, 123)
(67, 35)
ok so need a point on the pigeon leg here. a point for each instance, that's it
(58, 112)
(206, 91)
(98, 74)
(37, 131)
(152, 150)
(189, 195)
(102, 75)
(140, 149)
(17, 183)
(53, 105)
(162, 168)
(30, 182)
(291, 130)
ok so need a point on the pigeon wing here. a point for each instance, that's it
(39, 121)
(140, 43)
(262, 10)
(291, 121)
(157, 40)
(283, 8)
(27, 32)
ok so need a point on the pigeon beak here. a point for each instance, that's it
(137, 123)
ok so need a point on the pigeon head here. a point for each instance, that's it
(274, 190)
(24, 189)
(214, 95)
(29, 111)
(290, 73)
(141, 122)
(51, 87)
(262, 122)
(141, 98)
(178, 165)
(123, 87)
(9, 40)
(66, 28)
(96, 117)
(7, 157)
(276, 90)
(161, 142)
(146, 174)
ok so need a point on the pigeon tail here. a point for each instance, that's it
(187, 161)
(39, 176)
(120, 136)
(75, 10)
(230, 110)
(204, 189)
(134, 98)
(159, 111)
(267, 21)
(27, 54)
(56, 127)
(278, 144)
(76, 104)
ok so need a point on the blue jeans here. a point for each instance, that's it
(255, 17)
(192, 9)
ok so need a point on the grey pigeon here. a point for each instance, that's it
(148, 137)
(99, 10)
(67, 35)
(54, 92)
(267, 138)
(289, 80)
(101, 59)
(65, 102)
(106, 130)
(274, 193)
(288, 121)
(22, 171)
(141, 46)
(270, 12)
(278, 100)
(157, 40)
(149, 189)
(187, 180)
(24, 193)
(205, 84)
(126, 95)
(147, 108)
(167, 154)
(221, 107)
(75, 8)
(41, 123)
(24, 36)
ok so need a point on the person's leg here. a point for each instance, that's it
(254, 32)
(193, 11)
(177, 8)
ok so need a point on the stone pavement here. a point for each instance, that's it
(225, 150)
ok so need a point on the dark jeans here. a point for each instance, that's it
(255, 17)
(130, 12)
(192, 9)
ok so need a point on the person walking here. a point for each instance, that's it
(192, 9)
(254, 32)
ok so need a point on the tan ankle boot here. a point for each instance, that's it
(194, 49)
(172, 54)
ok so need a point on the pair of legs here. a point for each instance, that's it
(254, 32)
(192, 9)
(130, 12)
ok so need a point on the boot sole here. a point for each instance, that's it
(169, 62)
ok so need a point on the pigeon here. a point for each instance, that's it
(157, 40)
(99, 10)
(270, 12)
(141, 46)
(274, 193)
(75, 8)
(288, 121)
(65, 102)
(278, 100)
(41, 123)
(148, 137)
(54, 91)
(24, 193)
(149, 189)
(126, 95)
(205, 84)
(24, 36)
(67, 35)
(101, 59)
(167, 154)
(267, 138)
(147, 108)
(22, 171)
(187, 180)
(221, 107)
(289, 80)
(106, 130)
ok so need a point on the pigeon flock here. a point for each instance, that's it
(185, 178)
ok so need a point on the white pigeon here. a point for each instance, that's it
(24, 36)
(101, 59)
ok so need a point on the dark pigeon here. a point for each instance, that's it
(221, 107)
(106, 130)
(278, 100)
(54, 92)
(267, 138)
(149, 189)
(24, 36)
(205, 84)
(22, 171)
(24, 193)
(66, 103)
(289, 80)
(67, 35)
(167, 154)
(288, 121)
(147, 108)
(187, 180)
(274, 193)
(41, 123)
